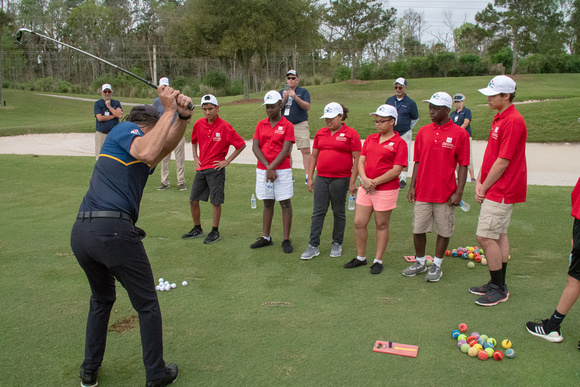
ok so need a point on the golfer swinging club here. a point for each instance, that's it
(106, 242)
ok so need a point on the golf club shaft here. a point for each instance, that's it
(19, 37)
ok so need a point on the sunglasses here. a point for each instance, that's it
(107, 91)
(398, 87)
(292, 78)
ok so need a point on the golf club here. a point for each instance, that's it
(22, 30)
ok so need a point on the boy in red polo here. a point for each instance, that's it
(272, 145)
(213, 137)
(439, 148)
(501, 183)
(549, 329)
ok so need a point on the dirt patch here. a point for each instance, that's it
(124, 324)
(356, 82)
(242, 102)
(277, 303)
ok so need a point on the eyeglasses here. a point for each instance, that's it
(107, 91)
(292, 78)
(381, 122)
(399, 87)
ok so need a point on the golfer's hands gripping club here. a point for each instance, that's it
(174, 101)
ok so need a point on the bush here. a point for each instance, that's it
(215, 78)
(341, 74)
(236, 88)
(44, 84)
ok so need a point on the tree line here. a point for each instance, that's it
(232, 47)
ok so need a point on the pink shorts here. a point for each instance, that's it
(378, 200)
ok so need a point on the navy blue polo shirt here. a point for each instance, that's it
(297, 114)
(118, 178)
(407, 110)
(459, 118)
(101, 108)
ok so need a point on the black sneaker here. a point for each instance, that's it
(194, 233)
(354, 263)
(88, 377)
(287, 246)
(171, 373)
(493, 296)
(212, 237)
(261, 242)
(403, 184)
(481, 290)
(376, 268)
(539, 329)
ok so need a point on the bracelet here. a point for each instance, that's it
(184, 117)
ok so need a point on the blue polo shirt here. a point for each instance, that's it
(297, 114)
(101, 108)
(407, 110)
(118, 178)
(459, 118)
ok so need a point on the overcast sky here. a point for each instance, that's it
(463, 11)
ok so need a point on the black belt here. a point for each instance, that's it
(104, 214)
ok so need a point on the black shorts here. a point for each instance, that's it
(209, 183)
(574, 270)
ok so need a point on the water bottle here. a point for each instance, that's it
(464, 206)
(269, 189)
(351, 201)
(253, 202)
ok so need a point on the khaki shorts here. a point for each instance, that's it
(494, 219)
(442, 214)
(302, 135)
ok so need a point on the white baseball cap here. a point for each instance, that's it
(164, 81)
(332, 110)
(498, 85)
(440, 98)
(272, 97)
(400, 81)
(209, 98)
(386, 111)
(293, 72)
(106, 86)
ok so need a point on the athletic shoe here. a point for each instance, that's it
(287, 246)
(539, 329)
(88, 378)
(212, 237)
(473, 180)
(310, 252)
(336, 250)
(171, 373)
(354, 263)
(193, 233)
(434, 273)
(182, 187)
(376, 268)
(261, 242)
(414, 269)
(306, 180)
(493, 296)
(403, 184)
(481, 290)
(163, 187)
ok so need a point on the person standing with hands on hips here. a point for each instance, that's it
(179, 151)
(408, 118)
(383, 157)
(296, 101)
(108, 112)
(502, 182)
(462, 117)
(108, 245)
(335, 156)
(272, 145)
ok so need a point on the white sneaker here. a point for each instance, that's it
(336, 250)
(310, 252)
(434, 273)
(414, 269)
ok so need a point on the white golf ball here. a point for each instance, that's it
(161, 280)
(161, 288)
(167, 287)
(184, 283)
(166, 283)
(173, 285)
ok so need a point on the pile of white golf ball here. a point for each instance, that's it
(165, 286)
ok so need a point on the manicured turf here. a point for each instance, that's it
(553, 120)
(228, 326)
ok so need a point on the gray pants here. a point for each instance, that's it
(328, 190)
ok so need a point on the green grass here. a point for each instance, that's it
(548, 121)
(218, 329)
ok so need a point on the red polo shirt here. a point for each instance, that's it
(438, 150)
(213, 141)
(381, 157)
(576, 200)
(335, 151)
(507, 139)
(272, 139)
